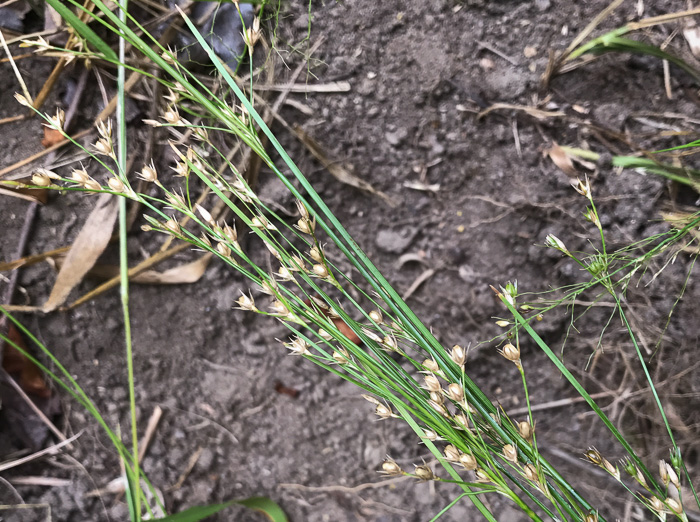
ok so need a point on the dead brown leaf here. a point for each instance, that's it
(51, 137)
(339, 171)
(28, 375)
(562, 160)
(88, 246)
(187, 273)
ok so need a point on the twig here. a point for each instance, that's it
(494, 50)
(190, 466)
(33, 406)
(47, 451)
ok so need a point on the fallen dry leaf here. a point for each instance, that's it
(339, 172)
(187, 273)
(562, 160)
(27, 374)
(51, 137)
(87, 247)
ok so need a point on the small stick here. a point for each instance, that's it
(190, 466)
(494, 50)
(150, 431)
(33, 406)
(47, 451)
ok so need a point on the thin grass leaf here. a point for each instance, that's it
(263, 505)
(83, 29)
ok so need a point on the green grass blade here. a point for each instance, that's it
(263, 505)
(83, 29)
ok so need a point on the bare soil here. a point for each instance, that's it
(419, 74)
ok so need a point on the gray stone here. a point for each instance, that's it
(393, 242)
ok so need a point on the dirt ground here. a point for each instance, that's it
(419, 73)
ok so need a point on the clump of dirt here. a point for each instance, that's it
(476, 199)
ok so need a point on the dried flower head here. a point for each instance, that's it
(432, 383)
(279, 308)
(321, 271)
(431, 435)
(461, 421)
(531, 473)
(510, 453)
(424, 473)
(437, 397)
(451, 453)
(502, 324)
(316, 254)
(298, 346)
(455, 392)
(116, 185)
(22, 100)
(376, 316)
(458, 355)
(341, 356)
(583, 187)
(591, 517)
(41, 179)
(431, 366)
(173, 226)
(468, 461)
(525, 430)
(223, 249)
(511, 352)
(246, 302)
(482, 475)
(148, 173)
(56, 122)
(384, 412)
(390, 467)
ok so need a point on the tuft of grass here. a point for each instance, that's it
(391, 354)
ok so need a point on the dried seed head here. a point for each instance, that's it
(324, 335)
(116, 185)
(437, 397)
(269, 286)
(390, 342)
(173, 226)
(205, 240)
(182, 170)
(303, 211)
(22, 100)
(80, 176)
(461, 421)
(481, 475)
(341, 356)
(148, 173)
(383, 411)
(591, 517)
(371, 335)
(455, 392)
(91, 184)
(510, 352)
(451, 453)
(674, 505)
(583, 188)
(657, 505)
(525, 430)
(668, 474)
(306, 226)
(103, 146)
(200, 133)
(57, 121)
(590, 215)
(41, 179)
(316, 254)
(431, 435)
(440, 408)
(298, 346)
(431, 366)
(176, 201)
(223, 249)
(502, 324)
(510, 453)
(279, 308)
(531, 473)
(424, 472)
(246, 303)
(376, 316)
(284, 274)
(432, 383)
(468, 461)
(206, 216)
(321, 271)
(594, 456)
(390, 467)
(458, 355)
(171, 115)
